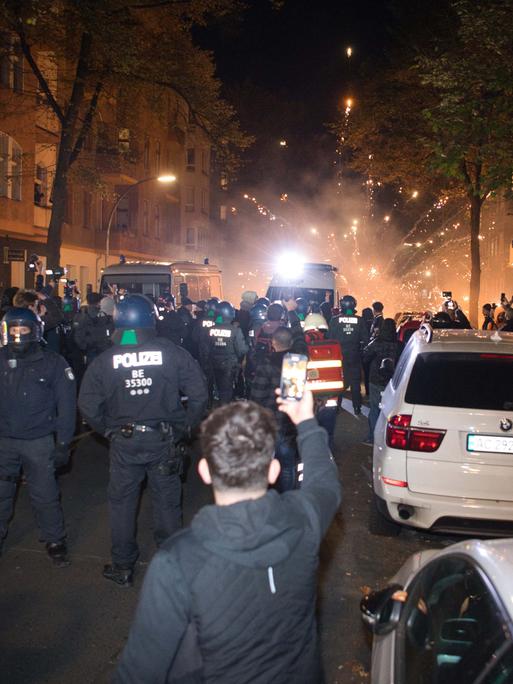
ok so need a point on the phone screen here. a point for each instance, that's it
(293, 376)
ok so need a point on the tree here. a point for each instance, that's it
(445, 116)
(104, 48)
(471, 121)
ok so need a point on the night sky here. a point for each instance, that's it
(298, 52)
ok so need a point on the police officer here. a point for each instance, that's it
(131, 394)
(351, 333)
(37, 405)
(92, 328)
(223, 350)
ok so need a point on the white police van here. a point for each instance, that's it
(314, 282)
(181, 278)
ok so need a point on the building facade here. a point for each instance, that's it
(129, 146)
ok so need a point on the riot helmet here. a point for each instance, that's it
(315, 321)
(211, 306)
(276, 312)
(22, 329)
(135, 320)
(258, 312)
(302, 307)
(263, 301)
(225, 312)
(348, 305)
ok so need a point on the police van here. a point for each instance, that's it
(317, 283)
(181, 278)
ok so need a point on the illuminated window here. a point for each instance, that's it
(124, 140)
(10, 167)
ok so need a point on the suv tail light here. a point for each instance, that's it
(400, 435)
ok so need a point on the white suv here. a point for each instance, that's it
(443, 443)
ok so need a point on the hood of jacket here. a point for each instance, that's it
(254, 533)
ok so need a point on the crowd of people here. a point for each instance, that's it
(152, 378)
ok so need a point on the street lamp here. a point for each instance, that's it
(167, 178)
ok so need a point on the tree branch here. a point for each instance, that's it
(86, 126)
(43, 83)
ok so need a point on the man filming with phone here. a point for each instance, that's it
(238, 587)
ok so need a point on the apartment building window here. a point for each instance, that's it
(123, 215)
(190, 237)
(10, 167)
(146, 217)
(189, 199)
(204, 200)
(190, 159)
(146, 154)
(205, 162)
(11, 63)
(124, 141)
(223, 181)
(41, 186)
(87, 203)
(223, 212)
(157, 157)
(156, 221)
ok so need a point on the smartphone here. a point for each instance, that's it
(447, 294)
(293, 376)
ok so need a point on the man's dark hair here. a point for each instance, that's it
(378, 307)
(487, 307)
(25, 298)
(93, 298)
(282, 338)
(237, 441)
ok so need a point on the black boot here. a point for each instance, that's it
(118, 574)
(58, 553)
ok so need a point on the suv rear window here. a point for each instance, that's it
(462, 380)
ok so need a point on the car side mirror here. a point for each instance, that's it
(380, 611)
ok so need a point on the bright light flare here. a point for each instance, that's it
(283, 143)
(349, 52)
(415, 194)
(428, 274)
(167, 178)
(314, 230)
(290, 264)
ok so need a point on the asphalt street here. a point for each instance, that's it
(62, 625)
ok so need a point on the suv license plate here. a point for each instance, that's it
(490, 444)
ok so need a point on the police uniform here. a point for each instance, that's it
(351, 333)
(222, 351)
(38, 409)
(131, 394)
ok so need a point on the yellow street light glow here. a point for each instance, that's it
(283, 143)
(349, 51)
(418, 244)
(415, 194)
(349, 102)
(355, 222)
(428, 274)
(386, 219)
(314, 230)
(168, 178)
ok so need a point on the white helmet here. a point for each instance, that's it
(315, 321)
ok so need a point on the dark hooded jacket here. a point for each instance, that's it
(245, 575)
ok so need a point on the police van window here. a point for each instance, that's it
(312, 295)
(192, 286)
(452, 627)
(203, 287)
(151, 285)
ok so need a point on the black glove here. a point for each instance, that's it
(61, 454)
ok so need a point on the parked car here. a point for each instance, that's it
(445, 618)
(443, 443)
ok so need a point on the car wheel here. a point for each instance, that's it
(380, 523)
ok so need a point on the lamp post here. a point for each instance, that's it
(161, 179)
